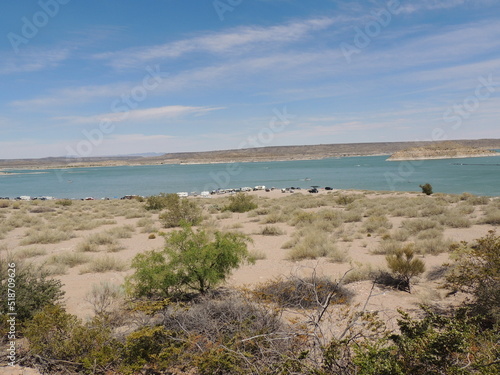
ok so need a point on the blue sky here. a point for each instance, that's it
(107, 77)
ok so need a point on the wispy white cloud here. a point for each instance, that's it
(32, 60)
(166, 112)
(217, 43)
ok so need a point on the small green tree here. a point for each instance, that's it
(426, 189)
(405, 266)
(179, 210)
(159, 202)
(240, 202)
(190, 261)
(33, 289)
(476, 270)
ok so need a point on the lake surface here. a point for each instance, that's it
(480, 176)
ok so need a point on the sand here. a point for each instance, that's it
(359, 250)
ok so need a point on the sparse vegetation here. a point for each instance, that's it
(240, 202)
(405, 266)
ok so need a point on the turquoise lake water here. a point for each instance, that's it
(480, 176)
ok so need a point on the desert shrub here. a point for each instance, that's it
(433, 246)
(455, 219)
(4, 203)
(45, 236)
(435, 344)
(312, 245)
(190, 261)
(104, 264)
(69, 259)
(476, 270)
(492, 216)
(353, 216)
(275, 217)
(70, 345)
(30, 252)
(104, 298)
(400, 235)
(429, 234)
(303, 218)
(376, 223)
(180, 210)
(240, 202)
(124, 231)
(302, 293)
(160, 201)
(418, 225)
(269, 230)
(254, 255)
(388, 246)
(405, 266)
(474, 199)
(360, 272)
(345, 199)
(34, 289)
(426, 189)
(64, 202)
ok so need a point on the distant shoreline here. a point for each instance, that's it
(249, 155)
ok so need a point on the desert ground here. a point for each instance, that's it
(339, 234)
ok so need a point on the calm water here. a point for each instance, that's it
(480, 176)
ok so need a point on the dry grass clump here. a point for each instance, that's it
(433, 209)
(104, 264)
(302, 293)
(474, 199)
(312, 245)
(275, 217)
(415, 226)
(4, 203)
(433, 246)
(345, 199)
(455, 219)
(147, 225)
(388, 246)
(55, 269)
(492, 216)
(124, 231)
(376, 224)
(401, 235)
(428, 234)
(352, 216)
(45, 236)
(270, 230)
(22, 220)
(360, 272)
(254, 255)
(94, 243)
(69, 259)
(30, 252)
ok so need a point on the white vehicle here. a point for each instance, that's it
(260, 187)
(246, 189)
(205, 194)
(183, 194)
(25, 198)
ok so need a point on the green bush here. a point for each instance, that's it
(433, 345)
(159, 202)
(476, 270)
(86, 348)
(180, 210)
(426, 189)
(190, 261)
(240, 202)
(33, 287)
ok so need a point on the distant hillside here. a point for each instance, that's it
(308, 152)
(441, 150)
